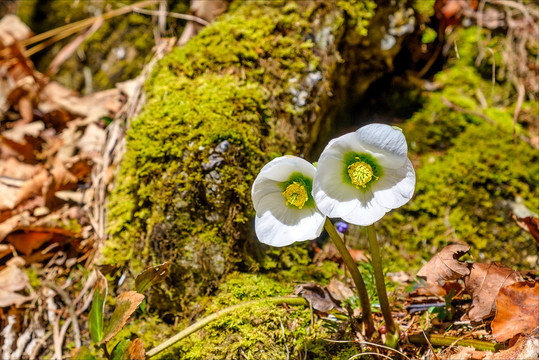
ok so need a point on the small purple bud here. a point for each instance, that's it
(342, 227)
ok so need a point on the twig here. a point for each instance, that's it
(73, 316)
(196, 19)
(208, 319)
(440, 340)
(69, 29)
(430, 345)
(38, 344)
(55, 321)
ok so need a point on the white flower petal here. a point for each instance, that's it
(396, 187)
(385, 143)
(262, 187)
(367, 211)
(333, 197)
(280, 169)
(304, 224)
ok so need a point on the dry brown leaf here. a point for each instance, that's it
(339, 291)
(14, 169)
(517, 310)
(530, 224)
(319, 297)
(92, 141)
(483, 284)
(126, 304)
(8, 200)
(205, 9)
(5, 249)
(13, 279)
(24, 139)
(445, 266)
(7, 226)
(136, 350)
(469, 353)
(26, 242)
(526, 348)
(92, 107)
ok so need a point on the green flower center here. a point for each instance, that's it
(360, 173)
(296, 195)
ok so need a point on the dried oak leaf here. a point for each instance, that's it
(339, 290)
(13, 279)
(445, 265)
(526, 347)
(319, 297)
(483, 284)
(517, 310)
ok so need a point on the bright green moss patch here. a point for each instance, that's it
(470, 173)
(466, 195)
(261, 331)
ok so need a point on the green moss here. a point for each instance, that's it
(33, 278)
(360, 13)
(424, 7)
(262, 331)
(469, 170)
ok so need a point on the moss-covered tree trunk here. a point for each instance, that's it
(261, 81)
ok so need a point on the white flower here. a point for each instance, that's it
(285, 208)
(362, 175)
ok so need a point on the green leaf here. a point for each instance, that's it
(120, 349)
(95, 318)
(126, 304)
(151, 276)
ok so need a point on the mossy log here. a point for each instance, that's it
(261, 81)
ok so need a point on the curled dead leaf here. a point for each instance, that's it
(517, 310)
(445, 265)
(339, 291)
(526, 348)
(13, 279)
(318, 296)
(530, 224)
(126, 304)
(483, 284)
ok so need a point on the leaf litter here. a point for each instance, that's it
(53, 177)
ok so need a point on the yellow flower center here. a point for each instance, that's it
(360, 173)
(295, 194)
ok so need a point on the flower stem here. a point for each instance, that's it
(356, 276)
(392, 336)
